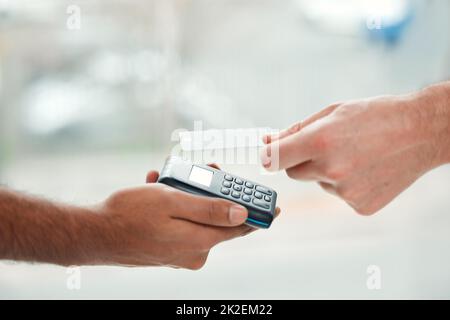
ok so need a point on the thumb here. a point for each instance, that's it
(208, 211)
(300, 125)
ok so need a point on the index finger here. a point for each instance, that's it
(301, 124)
(288, 152)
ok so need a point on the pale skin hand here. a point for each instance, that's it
(151, 225)
(367, 151)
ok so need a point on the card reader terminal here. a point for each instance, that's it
(259, 200)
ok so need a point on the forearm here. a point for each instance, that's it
(38, 230)
(432, 108)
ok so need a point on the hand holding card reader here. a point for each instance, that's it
(259, 200)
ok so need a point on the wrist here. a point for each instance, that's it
(85, 237)
(114, 237)
(96, 239)
(82, 237)
(37, 230)
(432, 121)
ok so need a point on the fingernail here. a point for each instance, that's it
(237, 214)
(267, 163)
(266, 139)
(265, 160)
(265, 157)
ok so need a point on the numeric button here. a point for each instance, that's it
(225, 191)
(249, 185)
(238, 181)
(235, 194)
(248, 191)
(227, 184)
(258, 195)
(237, 188)
(246, 198)
(228, 177)
(263, 190)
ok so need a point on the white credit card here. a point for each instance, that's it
(214, 139)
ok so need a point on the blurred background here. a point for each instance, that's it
(90, 92)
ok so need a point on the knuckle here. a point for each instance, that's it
(346, 109)
(169, 191)
(218, 210)
(213, 208)
(164, 192)
(295, 127)
(118, 199)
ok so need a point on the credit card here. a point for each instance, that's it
(217, 139)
